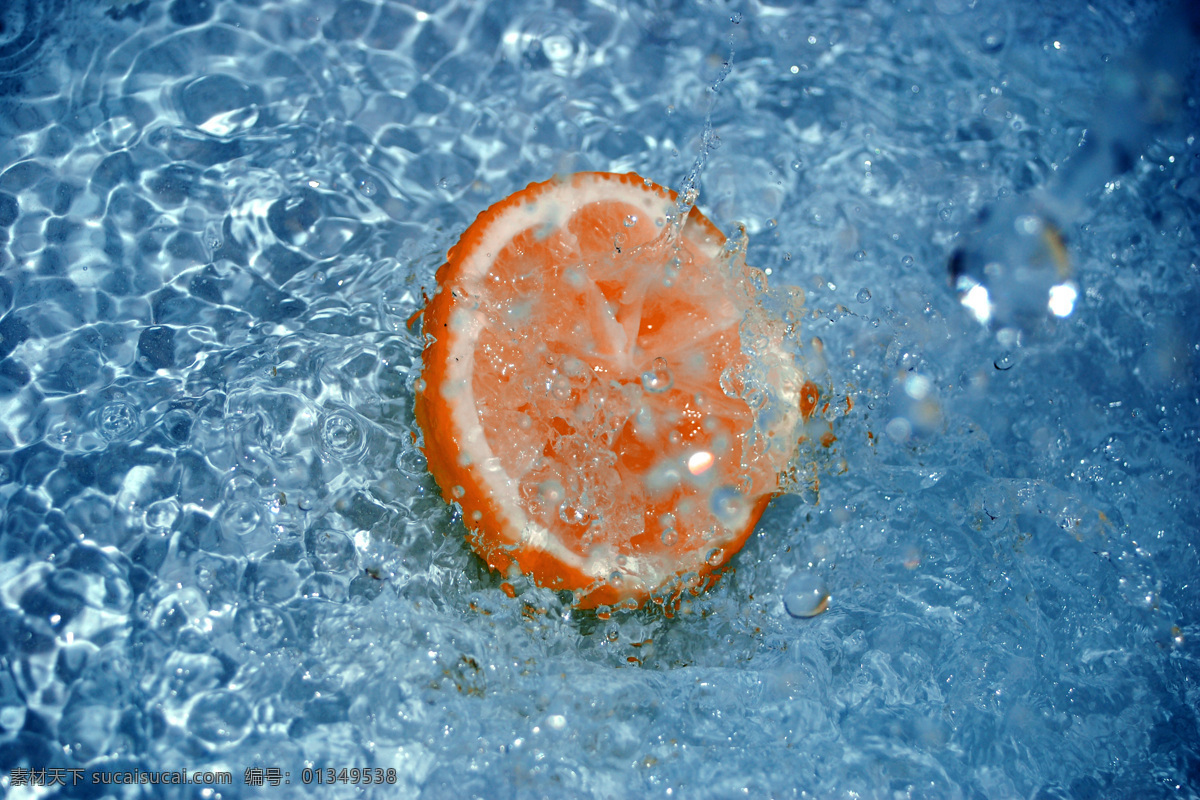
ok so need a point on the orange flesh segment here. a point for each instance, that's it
(572, 400)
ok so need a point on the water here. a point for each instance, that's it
(221, 551)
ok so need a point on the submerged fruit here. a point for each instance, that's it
(602, 392)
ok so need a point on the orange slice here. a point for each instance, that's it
(587, 392)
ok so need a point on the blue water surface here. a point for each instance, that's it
(221, 550)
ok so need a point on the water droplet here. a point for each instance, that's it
(658, 378)
(1005, 362)
(715, 556)
(669, 537)
(367, 187)
(117, 420)
(805, 595)
(861, 255)
(864, 295)
(631, 220)
(458, 492)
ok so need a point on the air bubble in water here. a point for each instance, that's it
(669, 537)
(864, 295)
(658, 378)
(631, 220)
(805, 595)
(715, 556)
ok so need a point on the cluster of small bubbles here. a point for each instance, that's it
(574, 514)
(342, 436)
(658, 378)
(805, 595)
(117, 420)
(864, 295)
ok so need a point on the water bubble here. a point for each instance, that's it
(177, 425)
(117, 420)
(551, 492)
(342, 436)
(991, 40)
(715, 556)
(261, 627)
(457, 491)
(1005, 362)
(736, 19)
(367, 187)
(658, 378)
(332, 551)
(805, 595)
(864, 295)
(160, 516)
(220, 718)
(412, 463)
(241, 517)
(729, 506)
(631, 220)
(861, 255)
(669, 537)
